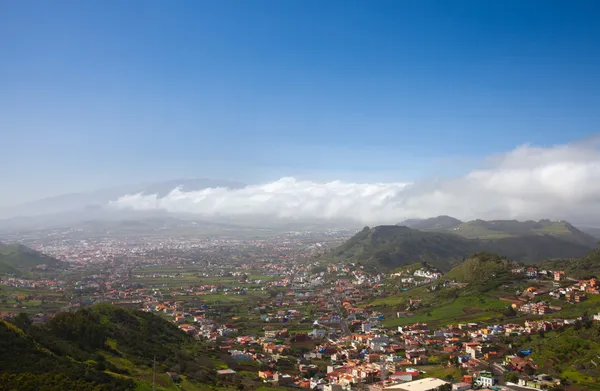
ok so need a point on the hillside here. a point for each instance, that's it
(480, 268)
(440, 223)
(102, 348)
(16, 256)
(586, 267)
(500, 229)
(5, 268)
(571, 354)
(388, 247)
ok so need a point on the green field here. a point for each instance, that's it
(463, 309)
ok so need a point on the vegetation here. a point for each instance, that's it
(571, 354)
(497, 229)
(16, 256)
(6, 268)
(101, 348)
(587, 267)
(388, 247)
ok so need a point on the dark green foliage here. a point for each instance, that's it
(440, 223)
(48, 382)
(5, 268)
(27, 365)
(587, 267)
(483, 272)
(571, 353)
(75, 345)
(495, 229)
(16, 256)
(387, 247)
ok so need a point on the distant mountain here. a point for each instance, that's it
(592, 231)
(440, 223)
(500, 229)
(16, 256)
(391, 246)
(388, 247)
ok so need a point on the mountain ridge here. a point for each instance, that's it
(495, 229)
(388, 247)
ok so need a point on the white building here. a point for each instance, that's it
(428, 384)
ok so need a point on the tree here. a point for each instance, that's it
(22, 320)
(511, 377)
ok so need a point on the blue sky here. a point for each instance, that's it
(110, 92)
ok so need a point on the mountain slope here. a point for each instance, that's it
(391, 246)
(17, 256)
(480, 268)
(5, 268)
(586, 267)
(440, 223)
(480, 229)
(100, 348)
(388, 247)
(498, 229)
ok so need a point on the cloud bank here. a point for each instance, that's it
(560, 182)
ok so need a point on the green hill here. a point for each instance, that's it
(586, 267)
(500, 229)
(17, 256)
(101, 348)
(5, 268)
(388, 247)
(440, 223)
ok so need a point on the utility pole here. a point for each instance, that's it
(154, 374)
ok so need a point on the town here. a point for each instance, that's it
(277, 312)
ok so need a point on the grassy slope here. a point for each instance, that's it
(388, 247)
(109, 343)
(588, 266)
(5, 268)
(570, 354)
(22, 257)
(480, 229)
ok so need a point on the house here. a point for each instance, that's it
(462, 386)
(404, 376)
(283, 378)
(472, 349)
(559, 275)
(521, 364)
(485, 379)
(265, 375)
(318, 334)
(428, 384)
(226, 372)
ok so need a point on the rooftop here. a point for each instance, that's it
(427, 384)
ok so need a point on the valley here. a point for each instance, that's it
(386, 307)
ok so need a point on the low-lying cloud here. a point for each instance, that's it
(560, 182)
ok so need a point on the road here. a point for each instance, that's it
(337, 302)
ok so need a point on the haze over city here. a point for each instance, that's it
(346, 110)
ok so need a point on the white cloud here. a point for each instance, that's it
(560, 182)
